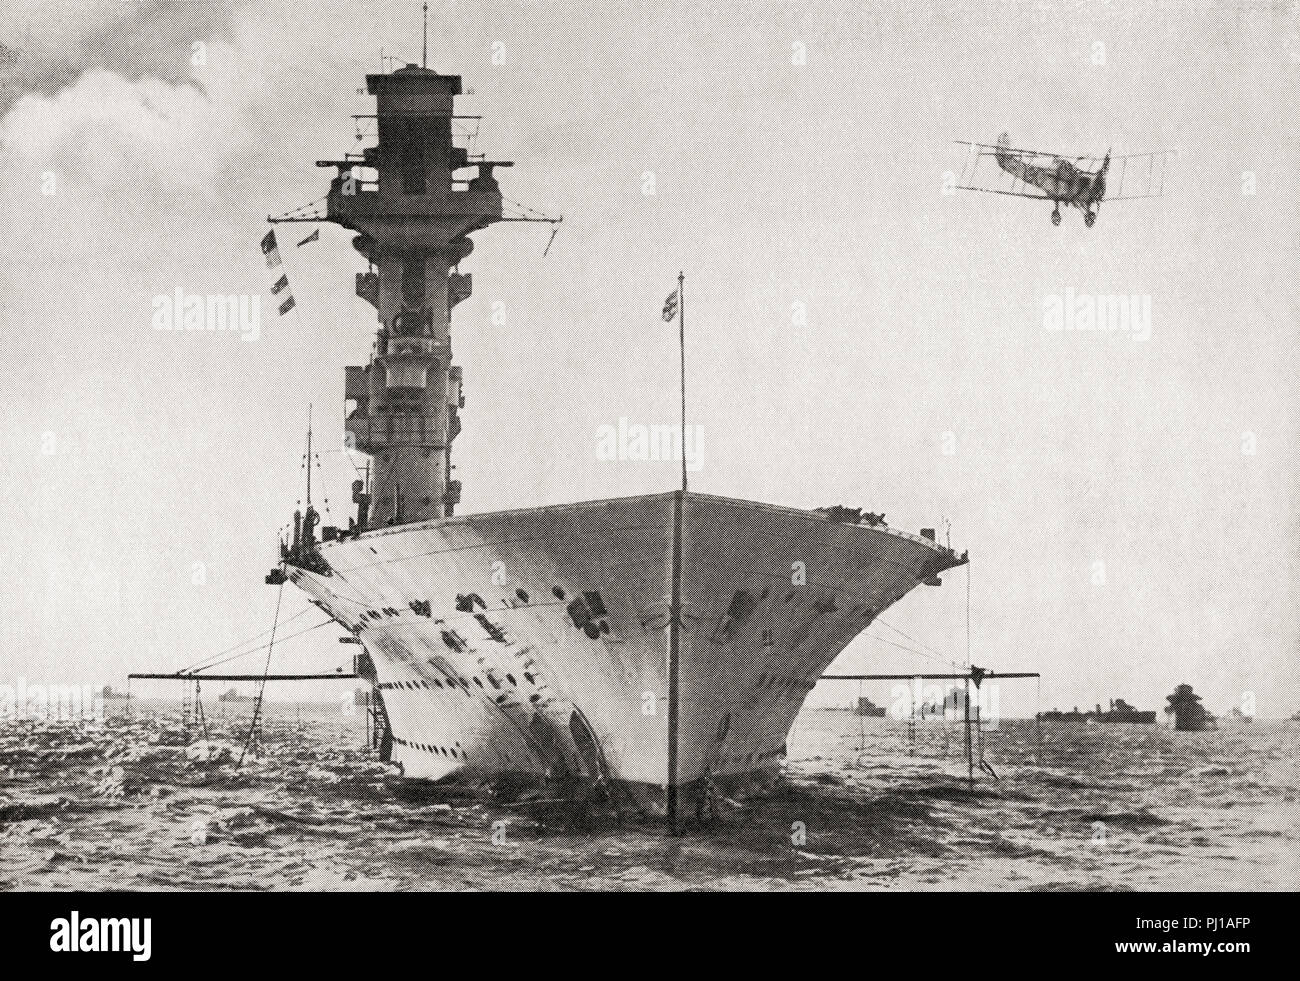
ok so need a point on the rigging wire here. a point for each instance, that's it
(921, 645)
(862, 722)
(196, 665)
(198, 707)
(968, 613)
(347, 454)
(261, 690)
(524, 211)
(937, 658)
(264, 647)
(300, 213)
(1038, 719)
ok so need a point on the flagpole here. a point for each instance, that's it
(681, 326)
(675, 619)
(674, 666)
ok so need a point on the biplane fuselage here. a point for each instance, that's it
(1061, 181)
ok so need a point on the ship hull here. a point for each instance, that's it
(538, 642)
(1129, 718)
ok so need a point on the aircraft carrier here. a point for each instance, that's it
(652, 642)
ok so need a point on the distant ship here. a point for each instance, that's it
(868, 708)
(1120, 712)
(232, 695)
(1186, 711)
(1056, 715)
(934, 708)
(1235, 714)
(652, 642)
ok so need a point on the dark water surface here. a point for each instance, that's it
(135, 803)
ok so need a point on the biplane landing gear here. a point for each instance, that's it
(1056, 215)
(1088, 218)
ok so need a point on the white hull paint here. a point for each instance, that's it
(536, 642)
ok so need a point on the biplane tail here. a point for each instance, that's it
(1008, 159)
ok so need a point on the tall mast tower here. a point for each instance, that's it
(413, 225)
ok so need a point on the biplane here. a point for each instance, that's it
(1079, 182)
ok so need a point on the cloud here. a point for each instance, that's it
(107, 131)
(119, 94)
(44, 49)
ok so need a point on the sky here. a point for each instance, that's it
(856, 335)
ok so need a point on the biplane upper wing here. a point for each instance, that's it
(1024, 173)
(1138, 175)
(1003, 169)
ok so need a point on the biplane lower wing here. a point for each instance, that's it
(1039, 196)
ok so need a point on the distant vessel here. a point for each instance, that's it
(1120, 712)
(1187, 712)
(1235, 714)
(933, 709)
(232, 695)
(1056, 715)
(868, 708)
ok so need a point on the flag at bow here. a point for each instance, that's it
(280, 284)
(270, 249)
(670, 307)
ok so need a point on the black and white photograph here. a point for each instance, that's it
(527, 446)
